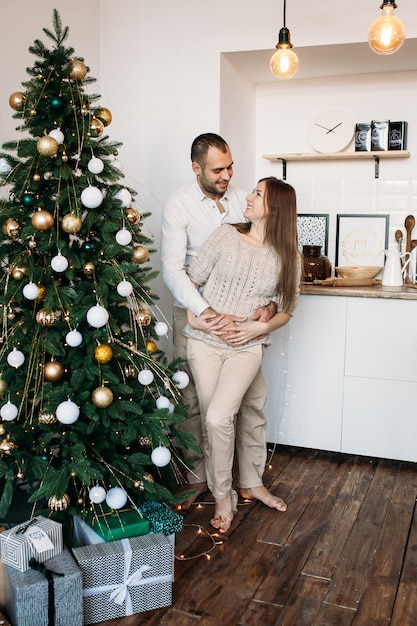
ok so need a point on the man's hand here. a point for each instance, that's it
(265, 313)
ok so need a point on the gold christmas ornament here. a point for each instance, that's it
(64, 157)
(42, 220)
(96, 127)
(151, 346)
(2, 429)
(47, 419)
(78, 70)
(32, 243)
(147, 476)
(32, 112)
(46, 319)
(11, 228)
(103, 353)
(144, 442)
(143, 317)
(20, 475)
(140, 254)
(47, 146)
(130, 371)
(53, 371)
(7, 445)
(36, 178)
(17, 98)
(71, 223)
(104, 115)
(59, 504)
(18, 272)
(102, 397)
(42, 293)
(132, 215)
(89, 268)
(138, 484)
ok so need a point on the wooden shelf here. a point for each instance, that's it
(337, 156)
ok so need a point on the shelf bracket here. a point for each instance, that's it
(376, 160)
(284, 168)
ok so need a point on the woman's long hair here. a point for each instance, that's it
(281, 233)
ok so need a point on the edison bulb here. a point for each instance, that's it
(386, 35)
(284, 62)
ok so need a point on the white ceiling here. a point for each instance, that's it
(329, 60)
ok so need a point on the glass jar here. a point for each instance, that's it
(316, 265)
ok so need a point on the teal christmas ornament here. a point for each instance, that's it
(56, 103)
(89, 246)
(28, 200)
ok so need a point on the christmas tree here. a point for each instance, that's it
(90, 408)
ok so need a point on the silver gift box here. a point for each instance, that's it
(27, 594)
(125, 577)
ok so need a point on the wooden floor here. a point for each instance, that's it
(345, 552)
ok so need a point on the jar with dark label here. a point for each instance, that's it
(316, 265)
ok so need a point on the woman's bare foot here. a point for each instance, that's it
(262, 494)
(223, 516)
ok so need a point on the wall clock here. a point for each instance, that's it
(331, 131)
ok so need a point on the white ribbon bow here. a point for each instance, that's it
(118, 595)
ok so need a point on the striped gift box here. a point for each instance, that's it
(16, 549)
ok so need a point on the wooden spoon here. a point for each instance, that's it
(409, 224)
(399, 239)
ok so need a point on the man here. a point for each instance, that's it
(191, 215)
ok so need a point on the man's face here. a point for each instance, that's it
(214, 176)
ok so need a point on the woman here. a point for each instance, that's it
(242, 267)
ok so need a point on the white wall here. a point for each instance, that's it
(159, 70)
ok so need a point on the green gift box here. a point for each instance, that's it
(121, 524)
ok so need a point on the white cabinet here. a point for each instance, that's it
(305, 394)
(380, 387)
(343, 376)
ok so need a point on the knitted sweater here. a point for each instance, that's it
(238, 278)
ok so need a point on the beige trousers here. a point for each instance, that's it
(223, 378)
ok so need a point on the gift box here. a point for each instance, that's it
(125, 577)
(161, 518)
(40, 538)
(120, 524)
(50, 597)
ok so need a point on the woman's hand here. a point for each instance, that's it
(211, 322)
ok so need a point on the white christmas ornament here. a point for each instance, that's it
(171, 408)
(74, 338)
(9, 411)
(91, 197)
(4, 166)
(124, 196)
(124, 288)
(95, 165)
(58, 135)
(59, 263)
(15, 358)
(31, 291)
(116, 498)
(67, 412)
(118, 164)
(97, 494)
(181, 379)
(123, 237)
(97, 316)
(162, 402)
(161, 328)
(161, 456)
(145, 377)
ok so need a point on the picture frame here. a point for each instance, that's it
(313, 230)
(361, 239)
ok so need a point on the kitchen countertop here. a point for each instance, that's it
(375, 291)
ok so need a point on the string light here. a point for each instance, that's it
(206, 553)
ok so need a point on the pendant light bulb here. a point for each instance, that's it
(284, 62)
(386, 35)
